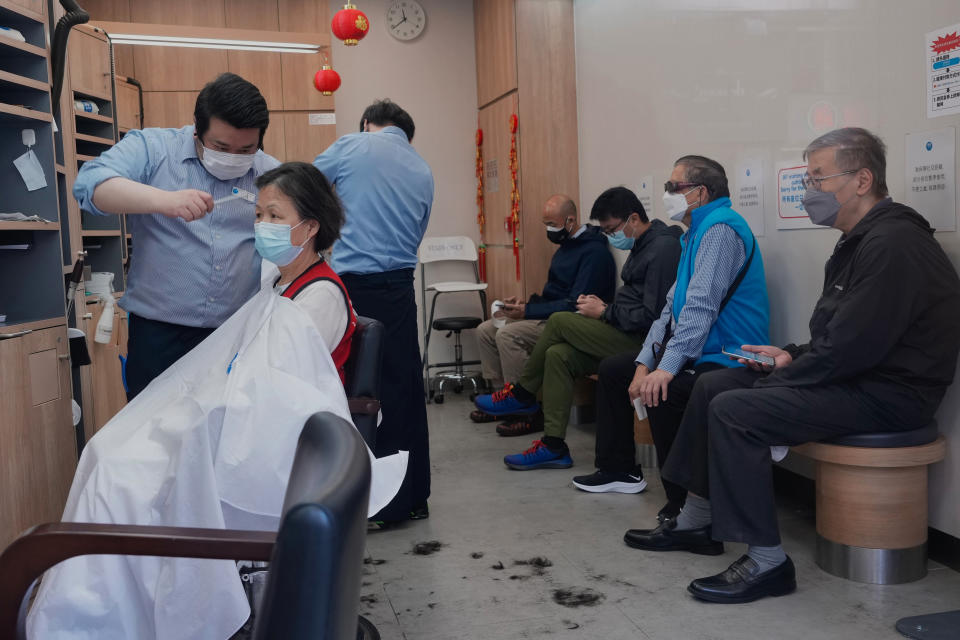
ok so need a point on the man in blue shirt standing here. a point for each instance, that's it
(195, 262)
(387, 191)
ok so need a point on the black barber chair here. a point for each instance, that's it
(363, 377)
(313, 584)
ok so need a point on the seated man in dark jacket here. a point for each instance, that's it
(582, 265)
(573, 344)
(882, 352)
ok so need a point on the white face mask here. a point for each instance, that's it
(676, 204)
(226, 166)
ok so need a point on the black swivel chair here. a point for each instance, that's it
(363, 377)
(313, 584)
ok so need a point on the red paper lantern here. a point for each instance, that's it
(350, 24)
(327, 80)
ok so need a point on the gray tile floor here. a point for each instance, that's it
(479, 507)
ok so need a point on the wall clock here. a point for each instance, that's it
(406, 19)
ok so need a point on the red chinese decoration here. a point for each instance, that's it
(326, 80)
(481, 219)
(512, 222)
(350, 24)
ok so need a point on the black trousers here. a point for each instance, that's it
(615, 450)
(152, 346)
(722, 450)
(389, 297)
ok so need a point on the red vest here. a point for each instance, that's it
(319, 272)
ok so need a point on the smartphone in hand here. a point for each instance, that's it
(735, 352)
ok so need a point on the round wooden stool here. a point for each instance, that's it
(872, 503)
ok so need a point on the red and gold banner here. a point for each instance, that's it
(513, 220)
(481, 219)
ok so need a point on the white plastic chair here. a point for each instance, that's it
(449, 249)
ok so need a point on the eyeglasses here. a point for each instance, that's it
(611, 232)
(673, 187)
(816, 182)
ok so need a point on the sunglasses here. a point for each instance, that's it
(673, 187)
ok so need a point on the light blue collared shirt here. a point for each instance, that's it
(387, 191)
(196, 273)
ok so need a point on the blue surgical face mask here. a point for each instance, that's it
(273, 242)
(620, 240)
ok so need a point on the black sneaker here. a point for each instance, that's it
(604, 482)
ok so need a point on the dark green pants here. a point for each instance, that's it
(570, 347)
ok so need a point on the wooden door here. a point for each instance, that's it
(128, 106)
(496, 38)
(106, 368)
(36, 430)
(93, 76)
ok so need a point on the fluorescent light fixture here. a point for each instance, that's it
(214, 38)
(214, 43)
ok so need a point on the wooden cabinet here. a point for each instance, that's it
(106, 368)
(128, 106)
(36, 432)
(532, 76)
(93, 76)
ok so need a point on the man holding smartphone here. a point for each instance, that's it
(873, 363)
(720, 297)
(581, 265)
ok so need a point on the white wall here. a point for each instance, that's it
(657, 79)
(434, 78)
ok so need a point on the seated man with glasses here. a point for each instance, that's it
(719, 298)
(573, 344)
(882, 352)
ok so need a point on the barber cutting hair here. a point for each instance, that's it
(192, 189)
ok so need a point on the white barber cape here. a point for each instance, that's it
(209, 443)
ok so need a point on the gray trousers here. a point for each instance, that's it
(722, 449)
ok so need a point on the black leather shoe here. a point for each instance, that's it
(667, 538)
(741, 582)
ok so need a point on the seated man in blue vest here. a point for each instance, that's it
(719, 298)
(883, 350)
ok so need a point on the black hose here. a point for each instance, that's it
(75, 15)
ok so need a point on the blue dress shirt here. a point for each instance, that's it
(387, 190)
(196, 273)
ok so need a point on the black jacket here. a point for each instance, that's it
(889, 316)
(648, 274)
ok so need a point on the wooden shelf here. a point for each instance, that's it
(23, 47)
(7, 7)
(100, 233)
(84, 158)
(123, 130)
(32, 325)
(90, 93)
(83, 137)
(10, 112)
(128, 236)
(93, 116)
(11, 78)
(60, 168)
(29, 226)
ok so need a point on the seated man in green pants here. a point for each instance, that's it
(573, 344)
